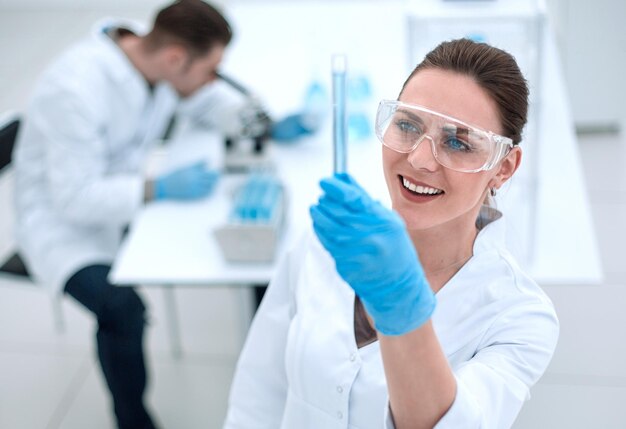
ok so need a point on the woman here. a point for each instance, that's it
(356, 331)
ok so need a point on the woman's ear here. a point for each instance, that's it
(507, 167)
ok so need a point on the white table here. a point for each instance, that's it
(172, 243)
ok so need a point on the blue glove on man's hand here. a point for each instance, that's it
(187, 183)
(291, 128)
(374, 255)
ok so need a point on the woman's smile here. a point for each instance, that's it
(418, 192)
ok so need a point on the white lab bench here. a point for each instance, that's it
(172, 244)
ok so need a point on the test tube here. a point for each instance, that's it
(340, 152)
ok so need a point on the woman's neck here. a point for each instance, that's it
(443, 250)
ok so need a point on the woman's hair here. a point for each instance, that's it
(494, 70)
(194, 24)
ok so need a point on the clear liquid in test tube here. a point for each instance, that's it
(340, 152)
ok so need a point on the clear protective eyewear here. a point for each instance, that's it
(455, 144)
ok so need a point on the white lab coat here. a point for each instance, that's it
(301, 368)
(80, 154)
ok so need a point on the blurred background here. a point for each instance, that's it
(568, 203)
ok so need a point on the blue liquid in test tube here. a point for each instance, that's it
(339, 113)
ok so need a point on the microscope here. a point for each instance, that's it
(257, 213)
(248, 151)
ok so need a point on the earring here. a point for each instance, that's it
(493, 191)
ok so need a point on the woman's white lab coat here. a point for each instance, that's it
(80, 154)
(301, 368)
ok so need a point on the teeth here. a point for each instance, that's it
(420, 189)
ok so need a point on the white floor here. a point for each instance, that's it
(585, 386)
(51, 380)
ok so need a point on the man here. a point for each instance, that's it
(94, 116)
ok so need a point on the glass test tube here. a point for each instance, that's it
(340, 151)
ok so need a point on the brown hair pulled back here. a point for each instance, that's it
(494, 70)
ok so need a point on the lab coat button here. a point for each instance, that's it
(352, 357)
(339, 415)
(339, 389)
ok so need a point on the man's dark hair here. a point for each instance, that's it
(194, 24)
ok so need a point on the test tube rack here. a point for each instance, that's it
(255, 223)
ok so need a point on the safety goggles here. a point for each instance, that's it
(455, 144)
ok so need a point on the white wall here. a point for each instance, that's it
(79, 4)
(592, 39)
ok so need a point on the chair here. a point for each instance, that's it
(12, 267)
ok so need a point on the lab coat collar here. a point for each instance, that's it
(123, 70)
(490, 238)
(469, 294)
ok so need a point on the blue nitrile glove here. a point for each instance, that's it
(374, 255)
(187, 183)
(291, 128)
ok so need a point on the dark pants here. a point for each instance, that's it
(121, 320)
(259, 293)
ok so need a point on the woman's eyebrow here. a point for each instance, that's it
(411, 115)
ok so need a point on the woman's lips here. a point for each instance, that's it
(418, 192)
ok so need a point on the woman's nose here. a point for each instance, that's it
(422, 156)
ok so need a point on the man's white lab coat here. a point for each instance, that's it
(301, 368)
(81, 151)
